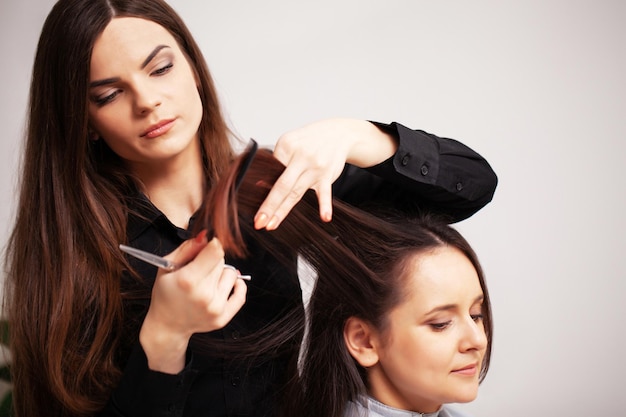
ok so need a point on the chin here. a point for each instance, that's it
(466, 396)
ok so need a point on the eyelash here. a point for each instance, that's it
(163, 70)
(440, 326)
(477, 317)
(159, 72)
(104, 100)
(444, 325)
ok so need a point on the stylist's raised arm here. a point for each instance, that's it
(314, 156)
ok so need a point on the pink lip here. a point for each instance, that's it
(158, 129)
(469, 370)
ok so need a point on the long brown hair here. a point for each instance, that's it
(62, 293)
(361, 261)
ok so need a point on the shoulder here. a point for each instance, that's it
(355, 409)
(448, 411)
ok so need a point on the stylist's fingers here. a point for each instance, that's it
(286, 192)
(221, 296)
(324, 193)
(206, 265)
(290, 187)
(213, 294)
(314, 157)
(233, 290)
(189, 249)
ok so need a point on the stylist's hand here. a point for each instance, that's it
(314, 156)
(199, 297)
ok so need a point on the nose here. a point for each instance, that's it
(146, 99)
(473, 337)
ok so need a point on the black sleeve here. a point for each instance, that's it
(427, 173)
(143, 392)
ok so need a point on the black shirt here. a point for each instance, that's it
(426, 173)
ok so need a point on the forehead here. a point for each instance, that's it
(441, 276)
(129, 40)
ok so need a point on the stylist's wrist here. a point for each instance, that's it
(372, 146)
(165, 348)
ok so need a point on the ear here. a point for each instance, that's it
(91, 133)
(361, 340)
(93, 136)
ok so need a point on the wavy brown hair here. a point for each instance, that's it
(362, 261)
(63, 297)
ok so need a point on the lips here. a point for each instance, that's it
(469, 370)
(158, 129)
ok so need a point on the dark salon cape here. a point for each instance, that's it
(426, 173)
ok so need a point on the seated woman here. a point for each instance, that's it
(399, 321)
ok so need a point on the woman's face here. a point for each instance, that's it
(432, 350)
(143, 97)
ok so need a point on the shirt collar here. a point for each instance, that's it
(387, 411)
(143, 214)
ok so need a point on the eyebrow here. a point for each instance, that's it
(103, 82)
(152, 55)
(112, 80)
(453, 306)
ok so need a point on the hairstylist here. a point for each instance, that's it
(125, 136)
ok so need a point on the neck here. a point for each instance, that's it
(175, 186)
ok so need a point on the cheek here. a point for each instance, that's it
(185, 83)
(414, 367)
(108, 121)
(191, 98)
(405, 351)
(423, 350)
(192, 108)
(114, 129)
(184, 100)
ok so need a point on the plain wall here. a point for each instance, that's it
(536, 87)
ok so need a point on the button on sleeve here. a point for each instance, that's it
(417, 155)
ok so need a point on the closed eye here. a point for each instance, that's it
(163, 70)
(101, 101)
(440, 326)
(477, 317)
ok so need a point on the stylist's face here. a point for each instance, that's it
(431, 352)
(143, 98)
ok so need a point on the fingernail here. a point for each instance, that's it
(201, 237)
(273, 223)
(260, 221)
(327, 216)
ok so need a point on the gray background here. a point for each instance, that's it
(537, 87)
